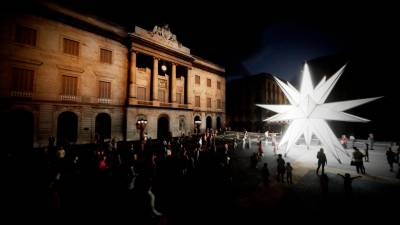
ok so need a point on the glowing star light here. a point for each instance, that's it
(308, 112)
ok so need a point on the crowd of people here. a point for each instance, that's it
(154, 179)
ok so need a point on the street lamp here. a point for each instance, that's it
(141, 124)
(197, 124)
(164, 67)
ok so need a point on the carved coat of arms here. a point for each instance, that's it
(164, 32)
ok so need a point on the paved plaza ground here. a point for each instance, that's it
(376, 194)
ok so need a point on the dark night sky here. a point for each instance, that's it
(251, 37)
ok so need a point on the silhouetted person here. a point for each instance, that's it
(51, 140)
(371, 141)
(358, 159)
(254, 160)
(366, 152)
(347, 179)
(281, 168)
(352, 140)
(322, 161)
(390, 158)
(265, 174)
(260, 149)
(289, 170)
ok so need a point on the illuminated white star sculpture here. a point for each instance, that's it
(308, 113)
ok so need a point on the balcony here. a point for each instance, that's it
(183, 106)
(21, 94)
(163, 104)
(70, 98)
(143, 102)
(104, 100)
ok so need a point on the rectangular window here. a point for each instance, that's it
(25, 35)
(161, 95)
(141, 93)
(197, 101)
(70, 86)
(105, 89)
(208, 102)
(219, 106)
(218, 85)
(197, 79)
(105, 56)
(208, 82)
(71, 47)
(22, 80)
(179, 98)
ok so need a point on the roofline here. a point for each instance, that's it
(107, 26)
(211, 65)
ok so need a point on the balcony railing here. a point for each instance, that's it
(162, 104)
(70, 98)
(104, 100)
(183, 106)
(22, 94)
(142, 102)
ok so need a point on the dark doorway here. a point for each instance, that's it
(209, 122)
(67, 128)
(103, 126)
(162, 127)
(218, 123)
(18, 131)
(197, 123)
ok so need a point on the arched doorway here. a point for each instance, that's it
(67, 128)
(218, 123)
(162, 127)
(208, 122)
(197, 122)
(18, 131)
(103, 126)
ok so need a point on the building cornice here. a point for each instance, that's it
(106, 26)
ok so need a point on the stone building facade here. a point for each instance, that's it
(76, 77)
(243, 95)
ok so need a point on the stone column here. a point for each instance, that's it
(155, 79)
(132, 75)
(189, 86)
(173, 83)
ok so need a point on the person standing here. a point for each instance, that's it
(265, 174)
(352, 140)
(260, 149)
(348, 180)
(281, 168)
(343, 141)
(390, 158)
(358, 159)
(51, 140)
(366, 153)
(322, 161)
(273, 141)
(371, 141)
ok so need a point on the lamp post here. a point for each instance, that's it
(164, 68)
(141, 125)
